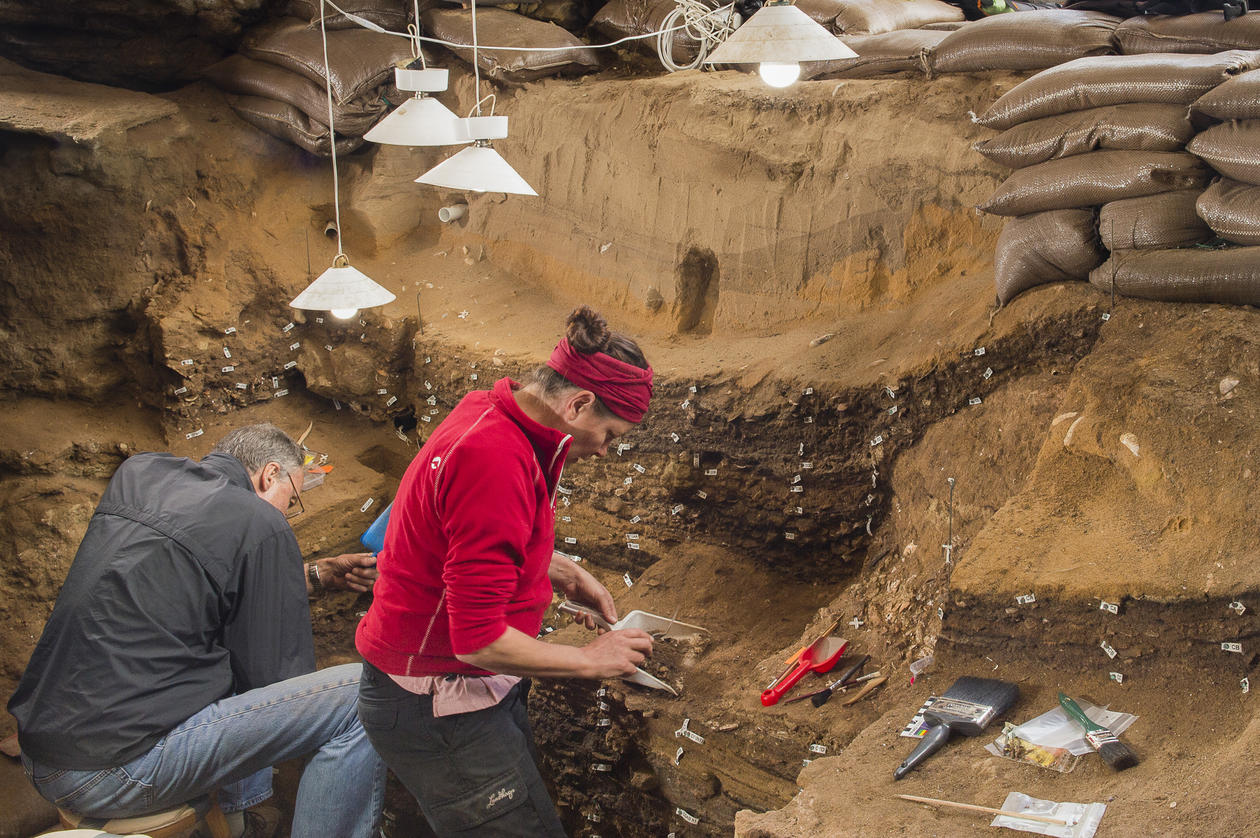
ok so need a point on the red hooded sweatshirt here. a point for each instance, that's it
(469, 540)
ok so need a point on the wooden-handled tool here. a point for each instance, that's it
(932, 801)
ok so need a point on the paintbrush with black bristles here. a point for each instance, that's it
(1113, 752)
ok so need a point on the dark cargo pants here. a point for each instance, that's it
(472, 773)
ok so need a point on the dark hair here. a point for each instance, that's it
(588, 333)
(257, 445)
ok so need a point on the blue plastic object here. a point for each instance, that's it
(374, 537)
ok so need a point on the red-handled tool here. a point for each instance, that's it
(820, 656)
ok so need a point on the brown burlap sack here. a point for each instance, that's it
(1115, 80)
(1140, 127)
(877, 55)
(285, 122)
(1045, 247)
(360, 60)
(822, 12)
(1152, 222)
(1025, 41)
(1236, 98)
(1189, 275)
(871, 17)
(1099, 177)
(1232, 148)
(1232, 210)
(619, 18)
(1206, 32)
(390, 14)
(567, 55)
(247, 77)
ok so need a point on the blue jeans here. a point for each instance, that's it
(231, 746)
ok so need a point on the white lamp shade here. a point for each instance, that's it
(342, 288)
(779, 33)
(421, 120)
(427, 80)
(478, 168)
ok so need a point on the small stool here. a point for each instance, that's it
(178, 822)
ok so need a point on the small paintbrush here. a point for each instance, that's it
(1113, 752)
(822, 696)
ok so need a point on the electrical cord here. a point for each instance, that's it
(702, 24)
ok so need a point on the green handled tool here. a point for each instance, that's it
(1114, 752)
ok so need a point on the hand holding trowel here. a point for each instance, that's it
(651, 623)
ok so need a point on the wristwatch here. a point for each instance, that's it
(312, 574)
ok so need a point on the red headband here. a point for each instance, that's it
(624, 388)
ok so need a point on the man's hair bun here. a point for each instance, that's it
(587, 331)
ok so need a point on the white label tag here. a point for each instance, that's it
(473, 376)
(241, 385)
(568, 539)
(636, 519)
(288, 328)
(179, 391)
(988, 373)
(228, 368)
(1117, 677)
(974, 400)
(602, 767)
(426, 419)
(629, 582)
(367, 504)
(797, 489)
(632, 546)
(199, 432)
(1109, 606)
(979, 351)
(640, 469)
(294, 345)
(809, 391)
(808, 420)
(806, 466)
(790, 536)
(818, 749)
(1238, 607)
(677, 756)
(382, 391)
(687, 816)
(603, 723)
(1106, 316)
(628, 481)
(1025, 599)
(227, 353)
(187, 362)
(677, 508)
(675, 437)
(877, 440)
(1232, 647)
(1106, 647)
(230, 330)
(279, 394)
(632, 536)
(702, 495)
(290, 365)
(275, 382)
(1245, 684)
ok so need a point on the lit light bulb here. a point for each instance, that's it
(779, 74)
(343, 313)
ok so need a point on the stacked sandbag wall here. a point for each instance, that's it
(1228, 271)
(1031, 40)
(1098, 149)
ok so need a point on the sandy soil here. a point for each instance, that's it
(814, 231)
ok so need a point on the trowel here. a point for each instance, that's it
(651, 623)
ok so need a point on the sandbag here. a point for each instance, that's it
(1028, 41)
(871, 17)
(1098, 177)
(1232, 210)
(619, 18)
(1232, 148)
(1152, 222)
(359, 59)
(1096, 81)
(285, 122)
(877, 55)
(1045, 247)
(1206, 32)
(1140, 127)
(1235, 98)
(568, 55)
(247, 77)
(390, 14)
(1188, 275)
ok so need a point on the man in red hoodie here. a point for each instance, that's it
(468, 570)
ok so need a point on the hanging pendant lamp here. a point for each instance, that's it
(342, 290)
(777, 38)
(421, 120)
(479, 168)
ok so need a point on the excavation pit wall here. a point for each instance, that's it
(214, 227)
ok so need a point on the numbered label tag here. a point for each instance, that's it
(1232, 647)
(1106, 647)
(1117, 677)
(818, 749)
(199, 432)
(878, 440)
(1026, 599)
(974, 400)
(367, 504)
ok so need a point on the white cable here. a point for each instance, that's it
(701, 24)
(476, 67)
(332, 134)
(367, 24)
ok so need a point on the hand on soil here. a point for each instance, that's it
(616, 653)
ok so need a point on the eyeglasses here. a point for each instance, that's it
(295, 501)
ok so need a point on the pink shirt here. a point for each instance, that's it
(457, 694)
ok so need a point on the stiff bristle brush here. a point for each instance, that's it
(1113, 752)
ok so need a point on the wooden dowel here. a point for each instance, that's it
(987, 809)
